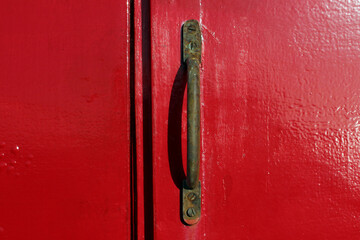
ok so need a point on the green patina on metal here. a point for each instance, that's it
(192, 58)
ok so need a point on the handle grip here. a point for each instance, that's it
(193, 123)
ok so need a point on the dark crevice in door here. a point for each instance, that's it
(147, 121)
(147, 124)
(133, 175)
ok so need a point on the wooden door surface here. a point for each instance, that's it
(64, 120)
(280, 91)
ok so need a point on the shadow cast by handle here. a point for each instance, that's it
(174, 127)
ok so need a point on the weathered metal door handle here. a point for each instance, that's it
(191, 191)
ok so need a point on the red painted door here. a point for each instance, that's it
(280, 112)
(64, 120)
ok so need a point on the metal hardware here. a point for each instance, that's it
(191, 212)
(192, 58)
(191, 203)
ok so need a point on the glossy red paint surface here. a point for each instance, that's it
(280, 111)
(64, 125)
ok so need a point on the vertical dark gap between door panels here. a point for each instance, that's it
(133, 175)
(147, 121)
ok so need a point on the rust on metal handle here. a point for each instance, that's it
(192, 58)
(193, 123)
